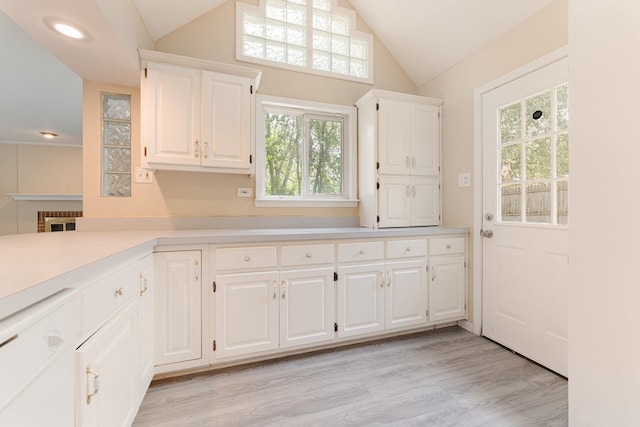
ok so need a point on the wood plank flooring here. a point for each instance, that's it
(446, 377)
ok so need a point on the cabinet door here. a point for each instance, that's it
(171, 115)
(226, 121)
(106, 373)
(306, 306)
(425, 140)
(178, 299)
(406, 295)
(447, 284)
(360, 299)
(246, 313)
(394, 201)
(394, 137)
(146, 322)
(425, 200)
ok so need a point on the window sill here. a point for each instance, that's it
(306, 203)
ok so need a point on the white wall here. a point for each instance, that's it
(604, 344)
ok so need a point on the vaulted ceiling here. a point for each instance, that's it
(42, 71)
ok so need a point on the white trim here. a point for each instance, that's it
(349, 154)
(44, 144)
(45, 197)
(535, 65)
(260, 10)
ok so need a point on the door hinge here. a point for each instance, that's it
(335, 276)
(427, 313)
(251, 89)
(377, 106)
(427, 267)
(378, 218)
(214, 345)
(145, 151)
(438, 113)
(377, 165)
(214, 287)
(335, 327)
(145, 72)
(465, 264)
(250, 158)
(438, 186)
(377, 185)
(438, 168)
(439, 217)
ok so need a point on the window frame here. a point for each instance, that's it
(260, 10)
(266, 103)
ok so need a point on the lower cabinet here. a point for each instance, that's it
(263, 311)
(146, 323)
(178, 306)
(447, 288)
(106, 372)
(406, 294)
(360, 303)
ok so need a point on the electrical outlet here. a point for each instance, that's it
(464, 179)
(244, 192)
(144, 176)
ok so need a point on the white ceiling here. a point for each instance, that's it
(42, 71)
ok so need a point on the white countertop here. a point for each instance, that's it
(34, 266)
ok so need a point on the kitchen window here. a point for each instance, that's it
(116, 145)
(305, 153)
(313, 36)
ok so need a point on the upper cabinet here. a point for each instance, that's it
(197, 115)
(398, 159)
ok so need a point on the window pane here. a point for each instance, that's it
(116, 107)
(340, 24)
(538, 114)
(538, 200)
(340, 45)
(297, 56)
(276, 31)
(283, 154)
(116, 133)
(510, 200)
(322, 20)
(563, 202)
(511, 160)
(325, 157)
(322, 4)
(116, 160)
(275, 51)
(321, 60)
(277, 9)
(510, 123)
(297, 15)
(538, 158)
(296, 36)
(563, 107)
(359, 68)
(322, 41)
(253, 25)
(358, 49)
(562, 152)
(116, 185)
(253, 47)
(339, 64)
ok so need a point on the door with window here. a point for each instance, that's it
(525, 215)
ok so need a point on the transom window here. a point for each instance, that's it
(305, 153)
(534, 159)
(313, 36)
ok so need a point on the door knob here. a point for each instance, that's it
(486, 233)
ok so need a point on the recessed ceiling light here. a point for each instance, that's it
(48, 135)
(68, 30)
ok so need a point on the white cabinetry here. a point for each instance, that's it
(447, 278)
(399, 160)
(283, 307)
(196, 114)
(360, 299)
(178, 306)
(146, 323)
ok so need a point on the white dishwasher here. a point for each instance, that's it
(37, 362)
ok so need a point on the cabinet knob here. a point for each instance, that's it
(408, 248)
(362, 252)
(309, 255)
(247, 258)
(119, 292)
(448, 245)
(196, 149)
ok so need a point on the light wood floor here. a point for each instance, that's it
(446, 377)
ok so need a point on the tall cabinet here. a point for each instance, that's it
(398, 159)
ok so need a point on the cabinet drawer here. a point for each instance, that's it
(245, 258)
(361, 251)
(406, 248)
(306, 255)
(104, 298)
(446, 245)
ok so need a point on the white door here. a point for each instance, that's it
(146, 347)
(178, 303)
(525, 223)
(226, 115)
(425, 200)
(246, 313)
(446, 288)
(406, 294)
(394, 201)
(425, 147)
(360, 299)
(394, 137)
(306, 306)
